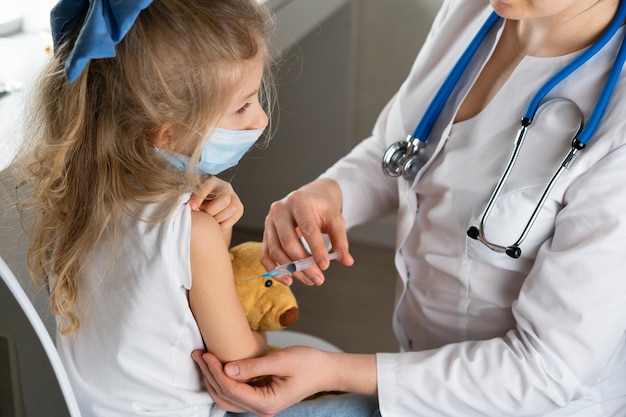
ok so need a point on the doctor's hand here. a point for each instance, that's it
(217, 198)
(307, 212)
(290, 375)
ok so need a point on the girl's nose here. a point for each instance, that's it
(260, 120)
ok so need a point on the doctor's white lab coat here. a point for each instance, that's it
(483, 334)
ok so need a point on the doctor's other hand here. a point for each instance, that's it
(308, 212)
(289, 376)
(217, 198)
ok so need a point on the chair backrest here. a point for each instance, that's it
(33, 381)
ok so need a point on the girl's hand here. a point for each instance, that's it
(217, 198)
(309, 212)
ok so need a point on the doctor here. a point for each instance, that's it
(540, 331)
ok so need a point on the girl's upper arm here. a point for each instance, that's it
(212, 297)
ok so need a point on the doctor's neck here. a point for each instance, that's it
(562, 31)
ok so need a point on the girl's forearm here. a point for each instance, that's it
(261, 340)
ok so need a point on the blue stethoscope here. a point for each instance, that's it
(406, 158)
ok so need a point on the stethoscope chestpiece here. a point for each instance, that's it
(404, 158)
(393, 159)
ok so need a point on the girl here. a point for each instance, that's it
(141, 102)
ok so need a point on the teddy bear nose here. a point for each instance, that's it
(289, 317)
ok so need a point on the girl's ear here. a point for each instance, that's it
(162, 137)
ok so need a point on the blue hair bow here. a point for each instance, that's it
(105, 25)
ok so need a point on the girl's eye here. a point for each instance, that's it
(244, 108)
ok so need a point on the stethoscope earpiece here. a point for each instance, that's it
(513, 251)
(473, 232)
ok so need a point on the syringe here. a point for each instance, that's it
(297, 266)
(293, 267)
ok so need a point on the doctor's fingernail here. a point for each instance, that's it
(232, 370)
(286, 280)
(317, 280)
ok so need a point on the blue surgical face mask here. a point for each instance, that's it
(222, 150)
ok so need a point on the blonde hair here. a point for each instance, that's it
(181, 62)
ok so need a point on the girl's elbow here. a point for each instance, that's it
(250, 349)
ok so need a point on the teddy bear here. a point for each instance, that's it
(268, 304)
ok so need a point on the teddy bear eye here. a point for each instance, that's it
(268, 283)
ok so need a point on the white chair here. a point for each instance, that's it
(33, 381)
(284, 338)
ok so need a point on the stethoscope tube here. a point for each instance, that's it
(406, 158)
(586, 55)
(579, 141)
(514, 250)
